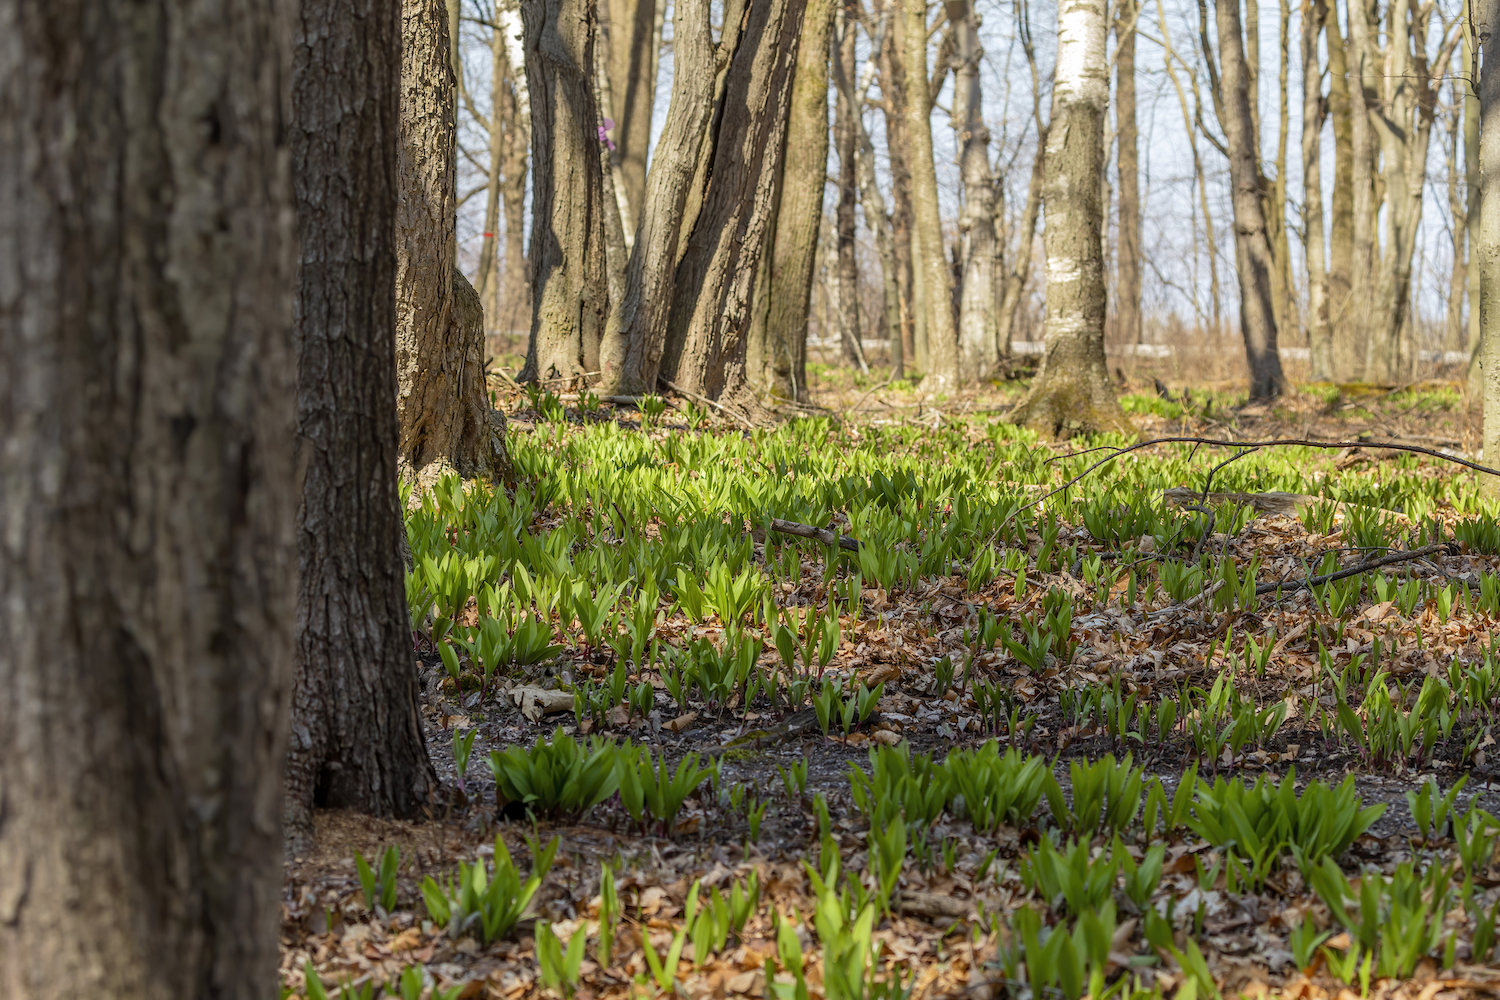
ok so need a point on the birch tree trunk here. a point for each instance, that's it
(776, 349)
(1319, 333)
(442, 403)
(937, 276)
(1071, 393)
(707, 331)
(1128, 300)
(1254, 261)
(147, 546)
(357, 738)
(568, 254)
(978, 319)
(514, 306)
(635, 335)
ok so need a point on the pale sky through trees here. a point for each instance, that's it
(1175, 278)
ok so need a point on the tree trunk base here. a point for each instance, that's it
(1067, 407)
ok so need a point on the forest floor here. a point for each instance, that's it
(1165, 668)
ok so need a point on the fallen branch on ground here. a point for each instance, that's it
(820, 534)
(1364, 567)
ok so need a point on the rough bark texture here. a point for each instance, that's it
(356, 735)
(568, 281)
(147, 551)
(1252, 249)
(846, 224)
(1128, 283)
(634, 38)
(893, 89)
(443, 405)
(706, 336)
(1071, 393)
(937, 276)
(1319, 332)
(978, 313)
(1488, 246)
(776, 352)
(636, 331)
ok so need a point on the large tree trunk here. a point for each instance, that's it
(776, 351)
(636, 331)
(356, 734)
(147, 553)
(567, 184)
(444, 408)
(846, 223)
(1128, 285)
(1071, 394)
(1487, 247)
(634, 41)
(978, 343)
(1319, 333)
(937, 276)
(1252, 249)
(706, 335)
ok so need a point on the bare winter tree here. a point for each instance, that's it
(444, 407)
(147, 568)
(356, 734)
(1128, 253)
(1319, 331)
(978, 319)
(928, 251)
(1071, 393)
(1252, 247)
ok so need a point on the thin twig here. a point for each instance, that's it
(704, 399)
(820, 534)
(861, 401)
(1364, 567)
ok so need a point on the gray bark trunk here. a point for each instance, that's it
(1071, 393)
(1252, 249)
(893, 90)
(513, 308)
(706, 337)
(1488, 246)
(634, 39)
(937, 275)
(147, 553)
(1128, 284)
(568, 254)
(488, 272)
(978, 315)
(357, 738)
(636, 332)
(1319, 333)
(846, 223)
(443, 405)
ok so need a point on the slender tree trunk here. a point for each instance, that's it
(1319, 333)
(1252, 250)
(514, 306)
(707, 331)
(876, 215)
(1454, 333)
(776, 348)
(1128, 302)
(1469, 74)
(568, 273)
(1341, 206)
(634, 40)
(631, 353)
(356, 734)
(488, 272)
(1071, 394)
(893, 89)
(1016, 268)
(1283, 291)
(846, 220)
(937, 278)
(1364, 254)
(619, 232)
(978, 319)
(147, 568)
(1488, 245)
(443, 405)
